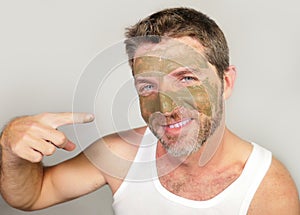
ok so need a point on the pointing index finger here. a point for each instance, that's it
(82, 117)
(58, 119)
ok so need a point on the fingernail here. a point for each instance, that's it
(89, 117)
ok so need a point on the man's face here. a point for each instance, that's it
(180, 93)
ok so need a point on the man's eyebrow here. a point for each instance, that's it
(183, 71)
(147, 75)
(142, 79)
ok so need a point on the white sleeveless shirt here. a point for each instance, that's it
(141, 193)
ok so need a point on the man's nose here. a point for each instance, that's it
(167, 102)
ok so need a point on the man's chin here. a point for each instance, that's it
(175, 147)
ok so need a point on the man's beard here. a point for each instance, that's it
(191, 138)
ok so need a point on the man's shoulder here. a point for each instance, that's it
(277, 194)
(130, 139)
(116, 147)
(113, 154)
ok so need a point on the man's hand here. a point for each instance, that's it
(32, 137)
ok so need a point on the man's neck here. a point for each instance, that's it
(192, 162)
(203, 182)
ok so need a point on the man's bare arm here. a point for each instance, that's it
(25, 183)
(68, 180)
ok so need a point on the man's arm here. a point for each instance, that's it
(25, 184)
(68, 180)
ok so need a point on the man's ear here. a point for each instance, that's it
(229, 79)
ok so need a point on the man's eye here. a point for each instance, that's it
(146, 89)
(188, 79)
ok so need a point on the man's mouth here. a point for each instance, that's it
(178, 125)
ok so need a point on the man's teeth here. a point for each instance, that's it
(179, 124)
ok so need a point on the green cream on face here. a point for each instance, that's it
(167, 57)
(201, 99)
(160, 62)
(192, 98)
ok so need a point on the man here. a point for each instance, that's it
(185, 162)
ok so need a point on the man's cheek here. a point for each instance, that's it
(148, 106)
(201, 99)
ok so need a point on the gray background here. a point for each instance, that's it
(46, 44)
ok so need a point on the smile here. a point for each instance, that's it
(179, 124)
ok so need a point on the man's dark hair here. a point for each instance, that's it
(179, 22)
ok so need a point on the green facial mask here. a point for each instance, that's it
(192, 98)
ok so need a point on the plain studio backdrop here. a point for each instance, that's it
(47, 45)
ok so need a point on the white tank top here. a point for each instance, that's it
(141, 193)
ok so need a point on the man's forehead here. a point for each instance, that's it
(167, 56)
(167, 45)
